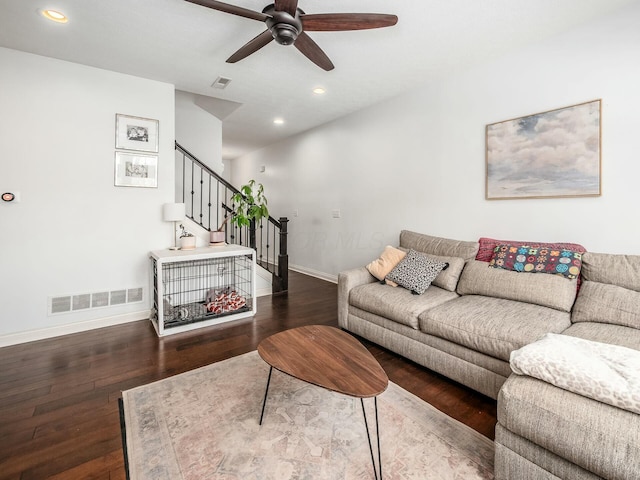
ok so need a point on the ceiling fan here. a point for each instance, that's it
(286, 24)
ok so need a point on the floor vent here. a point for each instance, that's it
(85, 301)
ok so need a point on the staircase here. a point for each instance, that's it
(207, 199)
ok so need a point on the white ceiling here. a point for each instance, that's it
(187, 45)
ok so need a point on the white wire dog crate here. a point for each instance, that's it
(201, 287)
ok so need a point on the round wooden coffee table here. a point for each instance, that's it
(329, 358)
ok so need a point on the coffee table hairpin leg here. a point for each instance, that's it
(366, 425)
(264, 402)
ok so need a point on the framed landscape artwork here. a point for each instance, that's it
(546, 155)
(136, 133)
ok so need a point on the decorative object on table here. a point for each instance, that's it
(136, 170)
(250, 204)
(173, 212)
(205, 425)
(546, 155)
(217, 237)
(136, 133)
(187, 239)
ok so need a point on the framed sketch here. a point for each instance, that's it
(136, 170)
(546, 155)
(136, 133)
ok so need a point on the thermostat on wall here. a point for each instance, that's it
(10, 197)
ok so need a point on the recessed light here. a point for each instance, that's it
(319, 91)
(278, 121)
(55, 16)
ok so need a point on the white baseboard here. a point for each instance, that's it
(41, 334)
(314, 273)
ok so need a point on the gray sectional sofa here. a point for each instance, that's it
(470, 320)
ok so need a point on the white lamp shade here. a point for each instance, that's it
(173, 212)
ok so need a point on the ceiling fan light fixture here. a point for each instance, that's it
(285, 34)
(55, 16)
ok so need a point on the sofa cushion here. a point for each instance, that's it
(620, 270)
(607, 333)
(397, 304)
(493, 326)
(600, 438)
(537, 260)
(416, 271)
(545, 290)
(486, 246)
(389, 258)
(604, 303)
(447, 278)
(438, 245)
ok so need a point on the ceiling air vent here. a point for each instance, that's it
(221, 82)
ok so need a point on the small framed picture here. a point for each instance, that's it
(136, 170)
(136, 133)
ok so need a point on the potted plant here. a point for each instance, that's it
(218, 236)
(187, 240)
(251, 204)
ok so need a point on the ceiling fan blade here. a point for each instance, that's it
(251, 46)
(289, 6)
(232, 9)
(334, 22)
(313, 52)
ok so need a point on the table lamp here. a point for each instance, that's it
(173, 212)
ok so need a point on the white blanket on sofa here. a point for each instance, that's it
(604, 372)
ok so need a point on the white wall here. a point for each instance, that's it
(418, 161)
(198, 131)
(74, 231)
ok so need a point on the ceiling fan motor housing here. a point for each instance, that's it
(284, 27)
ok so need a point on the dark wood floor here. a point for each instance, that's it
(59, 397)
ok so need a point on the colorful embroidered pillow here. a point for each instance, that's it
(416, 271)
(524, 258)
(487, 245)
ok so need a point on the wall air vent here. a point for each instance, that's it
(84, 301)
(134, 295)
(60, 304)
(81, 302)
(118, 297)
(100, 299)
(221, 82)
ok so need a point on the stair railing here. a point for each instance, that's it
(208, 201)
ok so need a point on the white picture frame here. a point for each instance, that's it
(136, 133)
(136, 170)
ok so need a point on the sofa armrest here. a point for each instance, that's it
(346, 281)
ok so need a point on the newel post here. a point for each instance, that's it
(283, 257)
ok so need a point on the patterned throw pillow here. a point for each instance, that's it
(416, 271)
(537, 260)
(487, 245)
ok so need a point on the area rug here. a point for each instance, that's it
(203, 424)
